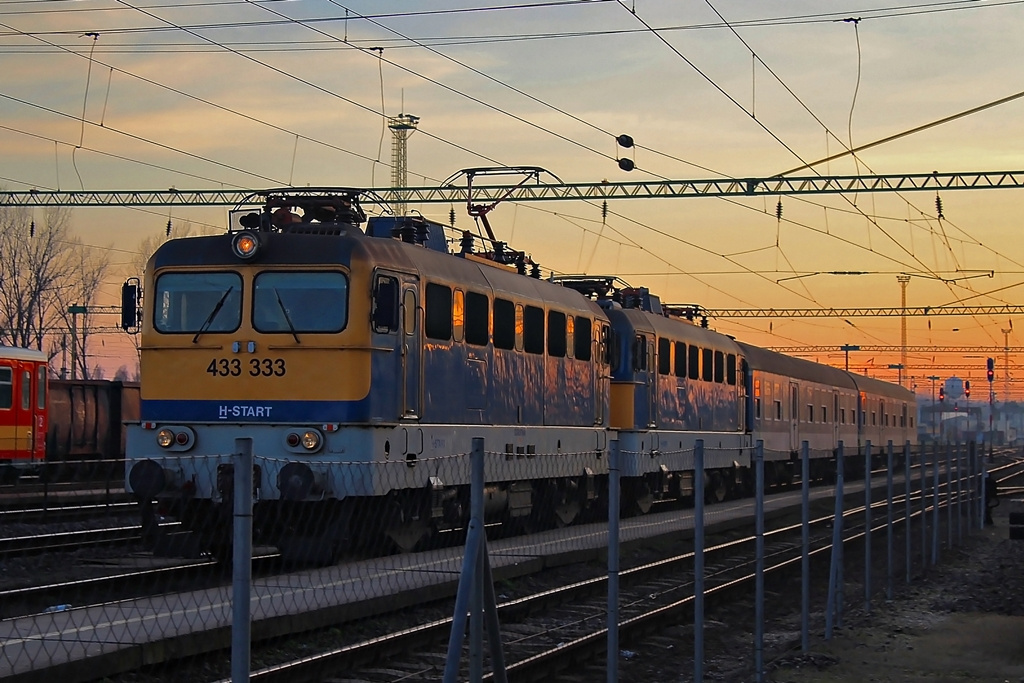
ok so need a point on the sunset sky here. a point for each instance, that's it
(154, 94)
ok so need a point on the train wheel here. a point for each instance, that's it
(566, 513)
(638, 498)
(410, 536)
(717, 489)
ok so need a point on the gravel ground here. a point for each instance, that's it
(963, 621)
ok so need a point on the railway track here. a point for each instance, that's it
(427, 636)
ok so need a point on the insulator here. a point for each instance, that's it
(938, 206)
(521, 263)
(535, 271)
(778, 211)
(604, 211)
(466, 243)
(32, 229)
(451, 217)
(168, 232)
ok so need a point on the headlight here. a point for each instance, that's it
(164, 438)
(311, 440)
(245, 245)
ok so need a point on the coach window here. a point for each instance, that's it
(824, 415)
(730, 369)
(556, 334)
(409, 311)
(842, 415)
(458, 315)
(437, 306)
(570, 336)
(719, 367)
(198, 302)
(664, 356)
(693, 362)
(680, 360)
(778, 410)
(385, 304)
(810, 413)
(639, 352)
(477, 317)
(6, 388)
(520, 327)
(504, 324)
(26, 390)
(533, 329)
(41, 389)
(707, 368)
(583, 334)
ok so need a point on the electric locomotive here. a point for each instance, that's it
(361, 364)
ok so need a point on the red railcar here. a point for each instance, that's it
(23, 409)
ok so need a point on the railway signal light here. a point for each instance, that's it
(942, 394)
(991, 369)
(967, 388)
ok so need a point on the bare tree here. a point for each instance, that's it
(43, 270)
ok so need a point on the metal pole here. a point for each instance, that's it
(476, 602)
(759, 569)
(474, 540)
(982, 493)
(867, 526)
(837, 541)
(889, 564)
(935, 505)
(614, 504)
(924, 509)
(960, 494)
(906, 505)
(241, 563)
(698, 561)
(805, 547)
(972, 449)
(949, 495)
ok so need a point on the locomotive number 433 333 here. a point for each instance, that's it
(255, 367)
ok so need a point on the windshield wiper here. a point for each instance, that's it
(213, 313)
(287, 318)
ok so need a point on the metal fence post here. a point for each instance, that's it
(889, 532)
(241, 563)
(698, 560)
(867, 526)
(759, 568)
(924, 509)
(949, 496)
(972, 448)
(805, 547)
(906, 506)
(935, 506)
(837, 542)
(960, 494)
(614, 481)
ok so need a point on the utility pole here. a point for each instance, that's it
(903, 279)
(1006, 363)
(846, 348)
(933, 378)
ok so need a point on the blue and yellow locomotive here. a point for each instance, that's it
(362, 358)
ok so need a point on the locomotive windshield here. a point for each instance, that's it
(198, 302)
(300, 302)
